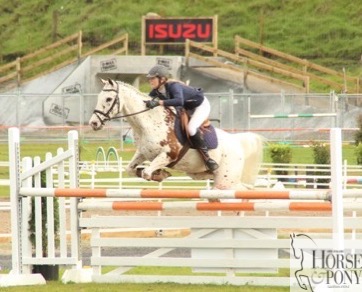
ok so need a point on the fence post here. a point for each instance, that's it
(336, 187)
(18, 275)
(79, 42)
(74, 183)
(18, 71)
(215, 36)
(187, 52)
(307, 84)
(14, 174)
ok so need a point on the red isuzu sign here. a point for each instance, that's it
(178, 30)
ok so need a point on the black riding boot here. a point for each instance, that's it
(199, 143)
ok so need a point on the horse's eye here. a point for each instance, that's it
(109, 99)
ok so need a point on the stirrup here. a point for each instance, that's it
(211, 164)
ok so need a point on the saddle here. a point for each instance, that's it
(207, 130)
(182, 118)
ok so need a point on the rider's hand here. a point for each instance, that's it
(152, 103)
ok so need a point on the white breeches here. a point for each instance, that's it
(200, 114)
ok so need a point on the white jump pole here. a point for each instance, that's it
(337, 188)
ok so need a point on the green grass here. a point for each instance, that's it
(324, 31)
(185, 271)
(59, 286)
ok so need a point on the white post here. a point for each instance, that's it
(50, 210)
(62, 211)
(77, 274)
(93, 175)
(20, 274)
(14, 173)
(74, 183)
(38, 213)
(120, 174)
(336, 188)
(26, 207)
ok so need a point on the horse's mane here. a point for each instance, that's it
(136, 90)
(141, 94)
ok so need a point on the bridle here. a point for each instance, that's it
(99, 114)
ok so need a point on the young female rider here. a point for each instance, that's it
(175, 93)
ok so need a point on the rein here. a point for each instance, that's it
(115, 102)
(129, 115)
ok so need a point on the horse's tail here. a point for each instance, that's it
(253, 146)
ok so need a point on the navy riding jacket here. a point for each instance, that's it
(179, 94)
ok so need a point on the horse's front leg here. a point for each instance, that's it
(158, 163)
(137, 159)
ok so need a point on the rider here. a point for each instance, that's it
(175, 93)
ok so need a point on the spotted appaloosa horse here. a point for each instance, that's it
(238, 155)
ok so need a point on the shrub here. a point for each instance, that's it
(358, 152)
(281, 154)
(321, 155)
(358, 135)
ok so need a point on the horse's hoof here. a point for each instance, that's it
(145, 175)
(139, 171)
(160, 174)
(214, 201)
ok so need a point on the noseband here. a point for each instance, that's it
(106, 116)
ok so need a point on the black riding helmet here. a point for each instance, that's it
(158, 71)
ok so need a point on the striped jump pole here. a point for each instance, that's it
(179, 194)
(216, 206)
(285, 116)
(206, 206)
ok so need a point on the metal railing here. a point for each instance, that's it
(291, 117)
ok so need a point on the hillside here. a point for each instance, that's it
(324, 31)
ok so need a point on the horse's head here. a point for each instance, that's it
(108, 105)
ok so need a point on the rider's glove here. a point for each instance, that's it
(152, 103)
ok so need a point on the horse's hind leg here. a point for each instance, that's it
(228, 175)
(228, 179)
(253, 159)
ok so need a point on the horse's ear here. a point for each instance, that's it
(103, 81)
(110, 81)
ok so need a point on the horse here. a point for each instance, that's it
(239, 155)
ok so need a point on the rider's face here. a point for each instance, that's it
(154, 82)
